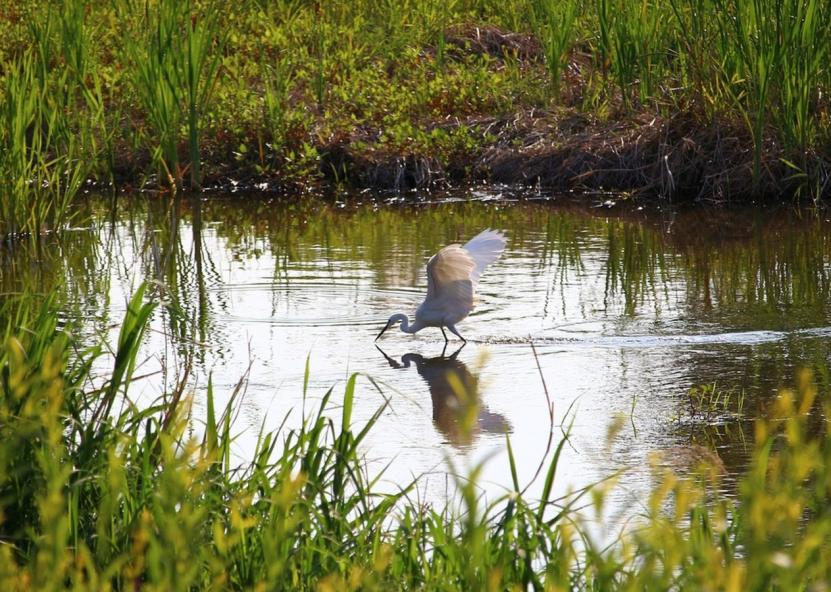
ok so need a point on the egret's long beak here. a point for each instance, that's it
(387, 326)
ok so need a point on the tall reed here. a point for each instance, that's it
(97, 492)
(630, 45)
(555, 24)
(176, 55)
(783, 51)
(765, 61)
(204, 42)
(277, 78)
(40, 162)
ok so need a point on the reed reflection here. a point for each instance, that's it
(458, 411)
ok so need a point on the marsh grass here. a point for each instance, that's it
(381, 81)
(176, 55)
(53, 123)
(765, 60)
(41, 160)
(626, 34)
(277, 78)
(554, 24)
(96, 493)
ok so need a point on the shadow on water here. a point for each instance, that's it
(458, 411)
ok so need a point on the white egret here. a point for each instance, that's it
(452, 275)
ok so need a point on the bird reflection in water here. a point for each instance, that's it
(458, 412)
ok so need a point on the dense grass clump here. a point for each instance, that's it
(97, 493)
(706, 98)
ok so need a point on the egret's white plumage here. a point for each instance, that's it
(452, 276)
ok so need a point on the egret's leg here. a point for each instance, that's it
(445, 335)
(456, 333)
(444, 349)
(456, 353)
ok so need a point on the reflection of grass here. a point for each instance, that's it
(96, 493)
(773, 276)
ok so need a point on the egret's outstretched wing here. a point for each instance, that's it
(449, 279)
(484, 249)
(452, 274)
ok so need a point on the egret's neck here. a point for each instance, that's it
(406, 327)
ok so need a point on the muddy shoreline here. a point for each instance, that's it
(671, 158)
(649, 156)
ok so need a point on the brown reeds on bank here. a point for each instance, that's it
(674, 157)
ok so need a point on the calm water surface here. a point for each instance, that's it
(627, 311)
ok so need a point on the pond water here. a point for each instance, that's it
(627, 308)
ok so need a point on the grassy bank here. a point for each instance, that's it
(714, 99)
(96, 493)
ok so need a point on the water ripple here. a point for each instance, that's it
(656, 341)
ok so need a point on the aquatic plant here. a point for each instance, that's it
(707, 402)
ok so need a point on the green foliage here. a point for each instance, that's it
(632, 46)
(708, 402)
(767, 61)
(191, 83)
(131, 498)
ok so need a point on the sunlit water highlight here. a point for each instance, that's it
(626, 312)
